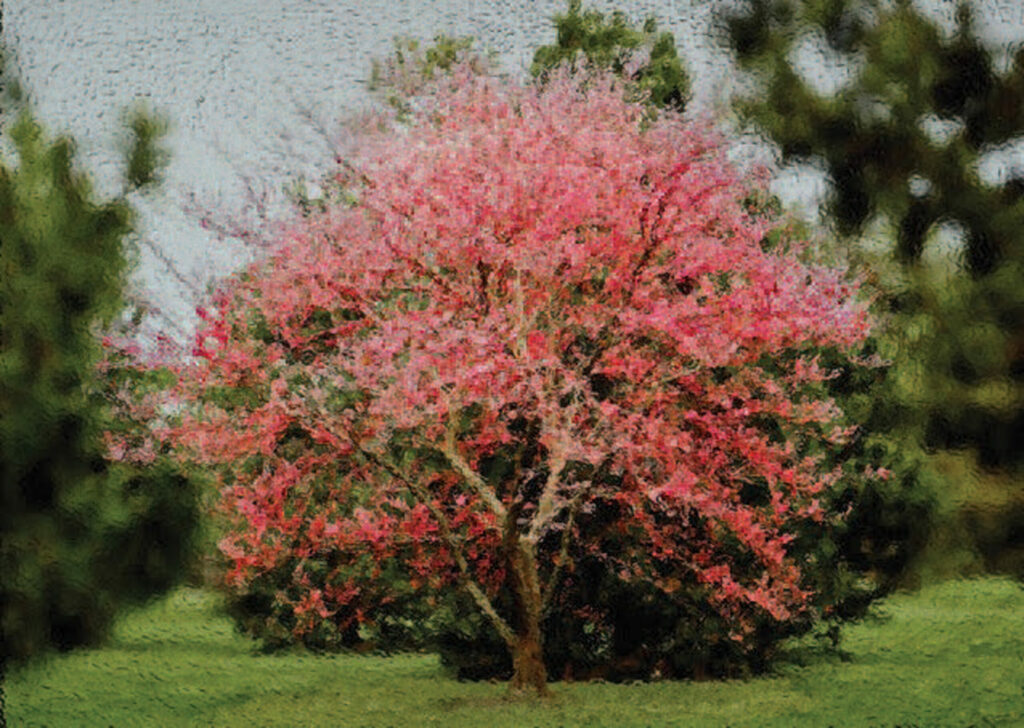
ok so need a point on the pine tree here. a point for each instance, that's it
(81, 534)
(878, 138)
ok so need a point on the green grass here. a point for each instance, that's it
(951, 655)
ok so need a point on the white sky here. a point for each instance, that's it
(231, 75)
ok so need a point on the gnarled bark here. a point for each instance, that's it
(529, 670)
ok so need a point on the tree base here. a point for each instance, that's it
(529, 672)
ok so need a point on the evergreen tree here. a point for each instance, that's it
(962, 375)
(82, 533)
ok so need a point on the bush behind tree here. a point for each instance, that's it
(647, 59)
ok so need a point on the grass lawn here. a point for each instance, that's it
(951, 655)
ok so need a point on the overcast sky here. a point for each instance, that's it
(232, 75)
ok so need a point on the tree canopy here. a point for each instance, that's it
(542, 329)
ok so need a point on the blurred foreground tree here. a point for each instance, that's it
(901, 141)
(83, 530)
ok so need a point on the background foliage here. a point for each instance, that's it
(901, 141)
(647, 58)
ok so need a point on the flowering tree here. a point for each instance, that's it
(539, 307)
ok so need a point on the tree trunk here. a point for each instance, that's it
(529, 671)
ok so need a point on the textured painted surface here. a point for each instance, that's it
(948, 656)
(232, 73)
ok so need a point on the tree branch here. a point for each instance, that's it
(546, 505)
(473, 478)
(563, 551)
(467, 581)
